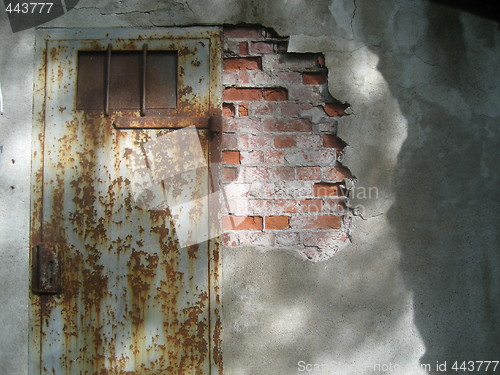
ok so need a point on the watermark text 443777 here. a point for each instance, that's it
(26, 8)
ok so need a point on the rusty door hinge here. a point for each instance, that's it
(215, 124)
(46, 269)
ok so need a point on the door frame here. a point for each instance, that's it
(43, 36)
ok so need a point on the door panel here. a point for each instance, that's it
(133, 299)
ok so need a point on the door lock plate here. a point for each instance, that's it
(46, 268)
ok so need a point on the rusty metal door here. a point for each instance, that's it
(124, 293)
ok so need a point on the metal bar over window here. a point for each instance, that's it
(143, 91)
(108, 80)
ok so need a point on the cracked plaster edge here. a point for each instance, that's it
(338, 50)
(333, 48)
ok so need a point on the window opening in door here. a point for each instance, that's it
(138, 80)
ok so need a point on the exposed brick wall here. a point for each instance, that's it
(283, 180)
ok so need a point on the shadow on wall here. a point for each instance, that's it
(445, 213)
(352, 309)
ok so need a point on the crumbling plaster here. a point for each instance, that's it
(420, 281)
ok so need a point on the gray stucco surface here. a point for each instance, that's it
(420, 281)
(16, 79)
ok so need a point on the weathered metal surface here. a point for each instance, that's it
(133, 301)
(160, 122)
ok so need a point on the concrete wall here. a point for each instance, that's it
(420, 281)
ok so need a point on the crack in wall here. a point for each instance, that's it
(352, 18)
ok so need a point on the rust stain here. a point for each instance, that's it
(217, 353)
(53, 54)
(185, 51)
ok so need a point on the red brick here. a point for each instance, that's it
(291, 125)
(229, 174)
(242, 223)
(277, 222)
(309, 141)
(282, 173)
(242, 94)
(229, 141)
(243, 63)
(241, 124)
(327, 222)
(256, 78)
(306, 106)
(256, 174)
(243, 110)
(332, 141)
(311, 205)
(263, 108)
(255, 142)
(289, 77)
(231, 157)
(335, 109)
(274, 157)
(242, 32)
(323, 238)
(230, 78)
(260, 206)
(295, 61)
(308, 173)
(228, 110)
(275, 94)
(326, 189)
(243, 78)
(252, 157)
(286, 205)
(262, 47)
(316, 222)
(289, 109)
(313, 93)
(339, 173)
(311, 157)
(284, 141)
(316, 78)
(243, 47)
